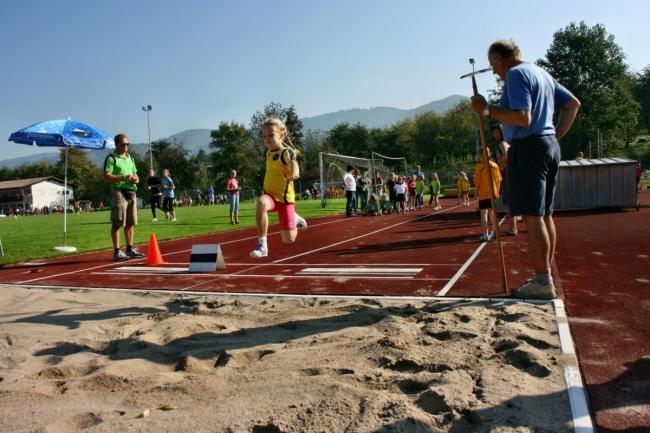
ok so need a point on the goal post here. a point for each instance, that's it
(332, 168)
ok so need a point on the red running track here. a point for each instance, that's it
(601, 270)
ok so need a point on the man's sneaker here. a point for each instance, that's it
(173, 219)
(259, 251)
(301, 224)
(120, 256)
(484, 238)
(153, 220)
(533, 289)
(134, 254)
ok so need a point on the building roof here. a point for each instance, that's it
(22, 183)
(595, 161)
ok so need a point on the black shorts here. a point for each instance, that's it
(400, 198)
(533, 164)
(485, 204)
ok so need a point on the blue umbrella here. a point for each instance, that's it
(64, 133)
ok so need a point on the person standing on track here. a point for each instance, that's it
(278, 191)
(350, 183)
(435, 191)
(484, 193)
(530, 97)
(121, 172)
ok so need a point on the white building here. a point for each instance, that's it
(33, 194)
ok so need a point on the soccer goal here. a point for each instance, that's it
(333, 165)
(332, 168)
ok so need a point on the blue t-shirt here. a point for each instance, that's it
(529, 87)
(167, 186)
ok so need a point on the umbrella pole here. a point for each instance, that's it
(65, 248)
(65, 199)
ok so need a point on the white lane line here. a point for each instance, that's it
(272, 276)
(459, 273)
(68, 273)
(577, 395)
(464, 267)
(360, 271)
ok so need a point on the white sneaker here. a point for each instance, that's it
(174, 219)
(153, 220)
(301, 224)
(259, 251)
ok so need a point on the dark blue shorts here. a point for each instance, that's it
(533, 164)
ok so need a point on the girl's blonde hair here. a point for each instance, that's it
(274, 122)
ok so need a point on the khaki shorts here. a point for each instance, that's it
(123, 212)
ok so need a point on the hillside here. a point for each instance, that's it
(197, 139)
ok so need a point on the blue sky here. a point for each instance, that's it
(200, 62)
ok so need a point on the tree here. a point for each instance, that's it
(294, 127)
(86, 177)
(641, 91)
(175, 158)
(591, 65)
(234, 150)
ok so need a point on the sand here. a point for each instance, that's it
(114, 361)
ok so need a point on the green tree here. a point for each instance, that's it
(175, 158)
(641, 91)
(234, 150)
(294, 127)
(591, 65)
(86, 177)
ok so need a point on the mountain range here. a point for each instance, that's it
(197, 139)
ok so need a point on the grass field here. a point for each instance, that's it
(32, 237)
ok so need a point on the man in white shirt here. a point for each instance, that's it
(350, 191)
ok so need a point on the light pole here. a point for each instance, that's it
(147, 109)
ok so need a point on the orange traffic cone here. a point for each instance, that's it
(153, 252)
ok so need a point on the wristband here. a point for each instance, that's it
(486, 111)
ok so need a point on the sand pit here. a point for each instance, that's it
(106, 361)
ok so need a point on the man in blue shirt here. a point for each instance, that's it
(530, 97)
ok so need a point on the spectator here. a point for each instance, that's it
(232, 186)
(168, 188)
(435, 191)
(350, 191)
(120, 171)
(153, 184)
(486, 192)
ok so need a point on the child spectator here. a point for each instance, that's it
(372, 207)
(435, 191)
(486, 192)
(400, 194)
(419, 192)
(462, 186)
(412, 195)
(385, 205)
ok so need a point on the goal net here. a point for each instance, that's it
(333, 165)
